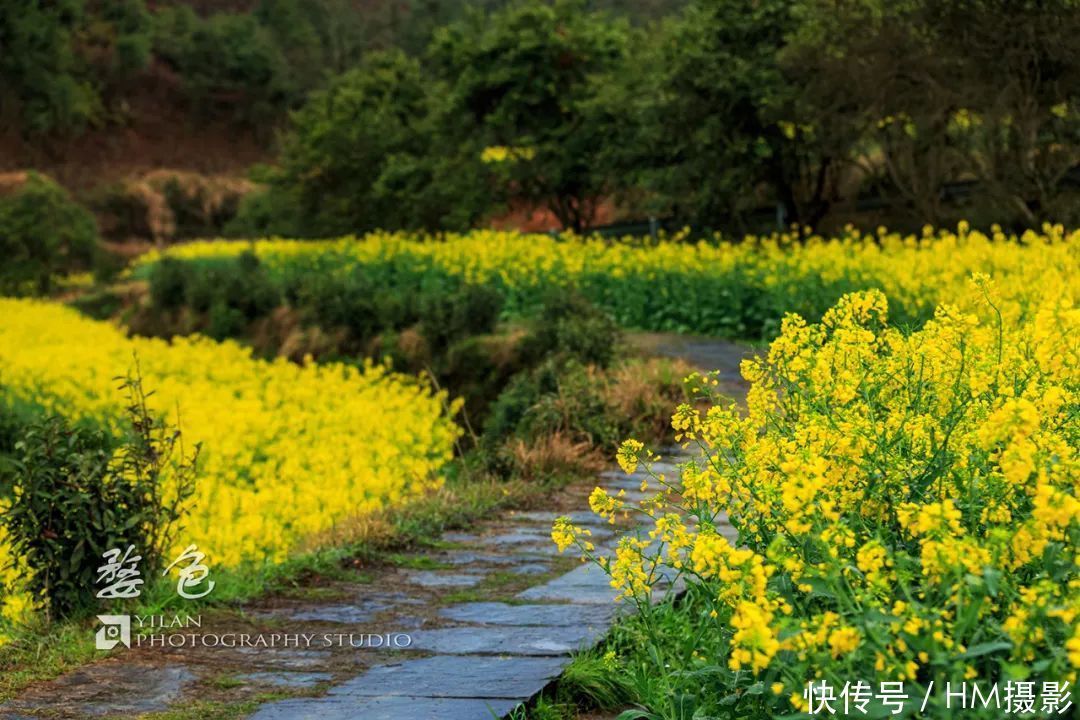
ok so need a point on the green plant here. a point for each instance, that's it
(74, 498)
(168, 284)
(43, 232)
(229, 63)
(364, 153)
(226, 295)
(902, 506)
(570, 327)
(447, 315)
(519, 80)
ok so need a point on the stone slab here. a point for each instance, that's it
(495, 613)
(436, 579)
(519, 537)
(586, 584)
(460, 676)
(569, 594)
(387, 708)
(120, 689)
(288, 659)
(286, 679)
(529, 568)
(506, 640)
(578, 517)
(459, 537)
(546, 548)
(345, 614)
(464, 557)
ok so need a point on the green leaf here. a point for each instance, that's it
(637, 715)
(986, 649)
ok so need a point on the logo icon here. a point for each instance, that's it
(115, 629)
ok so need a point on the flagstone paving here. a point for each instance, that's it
(487, 630)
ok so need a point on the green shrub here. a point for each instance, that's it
(246, 287)
(447, 315)
(168, 284)
(265, 212)
(509, 410)
(351, 302)
(73, 500)
(477, 369)
(570, 327)
(231, 293)
(43, 232)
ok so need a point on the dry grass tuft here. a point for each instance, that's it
(645, 393)
(285, 334)
(156, 201)
(555, 455)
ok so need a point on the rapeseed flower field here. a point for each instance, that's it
(288, 450)
(733, 289)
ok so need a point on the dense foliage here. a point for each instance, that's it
(382, 118)
(724, 115)
(43, 233)
(736, 115)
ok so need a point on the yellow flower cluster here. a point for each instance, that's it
(678, 284)
(907, 502)
(289, 451)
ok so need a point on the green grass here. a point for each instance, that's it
(43, 654)
(415, 562)
(590, 682)
(219, 709)
(226, 682)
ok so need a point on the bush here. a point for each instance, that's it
(265, 212)
(43, 232)
(570, 327)
(74, 499)
(167, 205)
(509, 410)
(230, 294)
(168, 283)
(451, 314)
(351, 301)
(242, 285)
(563, 404)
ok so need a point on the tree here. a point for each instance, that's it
(520, 78)
(228, 63)
(967, 102)
(711, 130)
(58, 59)
(364, 154)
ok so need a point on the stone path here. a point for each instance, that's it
(487, 656)
(466, 631)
